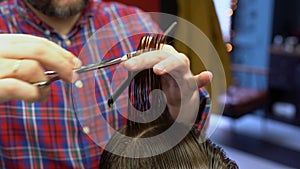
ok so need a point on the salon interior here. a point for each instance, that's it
(257, 117)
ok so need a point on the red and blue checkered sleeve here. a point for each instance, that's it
(202, 120)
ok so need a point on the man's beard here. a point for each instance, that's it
(50, 8)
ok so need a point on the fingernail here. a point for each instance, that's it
(160, 68)
(210, 75)
(77, 63)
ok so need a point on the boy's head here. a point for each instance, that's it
(190, 153)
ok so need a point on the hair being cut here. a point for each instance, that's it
(192, 152)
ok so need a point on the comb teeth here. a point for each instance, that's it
(151, 42)
(147, 43)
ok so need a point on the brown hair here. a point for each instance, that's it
(191, 152)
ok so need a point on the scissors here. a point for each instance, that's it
(54, 75)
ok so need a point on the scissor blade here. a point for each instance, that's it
(102, 64)
(98, 65)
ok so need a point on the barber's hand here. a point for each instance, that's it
(179, 84)
(23, 60)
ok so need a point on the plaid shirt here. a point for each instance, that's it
(55, 134)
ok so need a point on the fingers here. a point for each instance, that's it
(47, 53)
(168, 60)
(204, 78)
(23, 60)
(13, 89)
(162, 61)
(29, 71)
(16, 78)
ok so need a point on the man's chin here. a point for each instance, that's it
(58, 8)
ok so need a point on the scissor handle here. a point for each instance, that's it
(49, 81)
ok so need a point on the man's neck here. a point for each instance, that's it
(61, 25)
